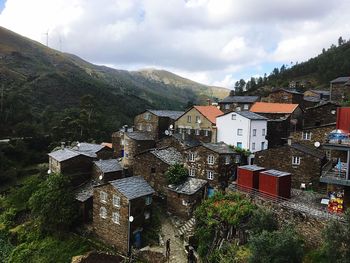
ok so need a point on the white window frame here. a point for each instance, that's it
(188, 131)
(191, 157)
(116, 218)
(147, 116)
(192, 172)
(210, 175)
(239, 132)
(189, 118)
(262, 145)
(246, 106)
(206, 133)
(240, 144)
(116, 201)
(148, 200)
(254, 132)
(233, 116)
(238, 108)
(198, 119)
(103, 212)
(263, 133)
(253, 146)
(103, 197)
(211, 159)
(227, 106)
(296, 160)
(306, 136)
(227, 159)
(198, 132)
(149, 127)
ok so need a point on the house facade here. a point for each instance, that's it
(320, 115)
(107, 170)
(199, 122)
(121, 210)
(156, 122)
(213, 162)
(286, 96)
(97, 151)
(340, 89)
(237, 103)
(245, 130)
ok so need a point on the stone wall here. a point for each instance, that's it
(318, 134)
(150, 124)
(321, 115)
(105, 153)
(233, 106)
(96, 173)
(116, 144)
(280, 97)
(309, 170)
(277, 132)
(339, 92)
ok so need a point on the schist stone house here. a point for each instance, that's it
(199, 122)
(98, 151)
(320, 115)
(237, 103)
(183, 199)
(244, 129)
(107, 170)
(340, 89)
(152, 165)
(303, 162)
(121, 210)
(215, 163)
(286, 96)
(179, 141)
(156, 122)
(317, 95)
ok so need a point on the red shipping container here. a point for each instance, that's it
(343, 119)
(275, 183)
(248, 176)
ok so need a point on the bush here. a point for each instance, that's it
(5, 247)
(176, 174)
(262, 219)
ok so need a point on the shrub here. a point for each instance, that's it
(176, 174)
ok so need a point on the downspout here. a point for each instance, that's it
(129, 228)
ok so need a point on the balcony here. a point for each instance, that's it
(333, 173)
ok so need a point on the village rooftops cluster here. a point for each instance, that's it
(169, 155)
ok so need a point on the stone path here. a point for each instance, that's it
(177, 252)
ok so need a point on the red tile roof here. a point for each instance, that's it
(210, 112)
(109, 145)
(265, 107)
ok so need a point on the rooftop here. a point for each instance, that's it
(63, 154)
(308, 150)
(85, 191)
(107, 144)
(275, 173)
(252, 167)
(340, 80)
(132, 187)
(323, 92)
(220, 147)
(140, 136)
(108, 166)
(167, 113)
(240, 99)
(169, 155)
(292, 91)
(251, 115)
(266, 107)
(210, 112)
(88, 148)
(190, 186)
(187, 141)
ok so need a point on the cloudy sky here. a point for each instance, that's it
(211, 41)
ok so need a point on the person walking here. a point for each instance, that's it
(190, 257)
(167, 246)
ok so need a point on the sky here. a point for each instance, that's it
(215, 42)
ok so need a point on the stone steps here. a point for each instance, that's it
(187, 227)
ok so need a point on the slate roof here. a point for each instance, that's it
(190, 186)
(169, 155)
(89, 149)
(308, 150)
(240, 99)
(266, 107)
(324, 104)
(312, 99)
(140, 136)
(251, 115)
(63, 154)
(85, 191)
(189, 142)
(340, 80)
(292, 91)
(220, 147)
(210, 112)
(132, 187)
(108, 166)
(167, 113)
(323, 92)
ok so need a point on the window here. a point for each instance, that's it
(103, 197)
(237, 159)
(246, 106)
(211, 159)
(116, 201)
(227, 106)
(253, 146)
(184, 202)
(116, 217)
(153, 170)
(148, 200)
(306, 136)
(262, 145)
(296, 160)
(149, 128)
(198, 132)
(254, 132)
(188, 131)
(227, 159)
(240, 132)
(191, 157)
(103, 212)
(147, 116)
(189, 119)
(210, 175)
(198, 119)
(140, 127)
(263, 132)
(233, 116)
(239, 145)
(206, 133)
(238, 108)
(192, 172)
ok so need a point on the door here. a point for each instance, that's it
(137, 239)
(210, 191)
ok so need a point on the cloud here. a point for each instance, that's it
(212, 41)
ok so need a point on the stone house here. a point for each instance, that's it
(303, 162)
(107, 170)
(320, 115)
(309, 136)
(214, 162)
(98, 151)
(121, 211)
(179, 141)
(76, 165)
(199, 122)
(152, 165)
(156, 122)
(183, 199)
(340, 89)
(286, 96)
(237, 103)
(278, 131)
(319, 95)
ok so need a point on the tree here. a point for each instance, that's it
(176, 174)
(53, 204)
(341, 41)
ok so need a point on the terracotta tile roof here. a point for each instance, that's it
(210, 112)
(265, 107)
(108, 144)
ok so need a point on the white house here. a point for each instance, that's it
(243, 129)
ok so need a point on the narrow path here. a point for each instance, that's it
(177, 252)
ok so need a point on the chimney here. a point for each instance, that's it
(232, 93)
(62, 145)
(289, 140)
(209, 102)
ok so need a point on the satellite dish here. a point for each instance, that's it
(317, 144)
(166, 132)
(333, 112)
(171, 126)
(199, 121)
(49, 171)
(100, 177)
(131, 218)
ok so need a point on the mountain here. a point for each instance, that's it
(44, 89)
